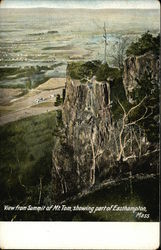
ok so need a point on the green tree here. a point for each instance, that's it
(58, 100)
(145, 43)
(28, 84)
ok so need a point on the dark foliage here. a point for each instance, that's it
(147, 42)
(81, 70)
(25, 157)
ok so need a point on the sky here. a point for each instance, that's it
(90, 4)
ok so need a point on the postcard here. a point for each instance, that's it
(79, 120)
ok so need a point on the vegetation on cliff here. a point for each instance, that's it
(149, 109)
(146, 82)
(82, 70)
(147, 42)
(86, 70)
(110, 121)
(146, 86)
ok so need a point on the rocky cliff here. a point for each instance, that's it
(95, 145)
(136, 69)
(86, 118)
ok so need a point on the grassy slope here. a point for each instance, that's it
(25, 157)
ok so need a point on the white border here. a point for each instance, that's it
(79, 235)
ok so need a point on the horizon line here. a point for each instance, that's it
(105, 8)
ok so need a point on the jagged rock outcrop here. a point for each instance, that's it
(136, 68)
(95, 147)
(86, 118)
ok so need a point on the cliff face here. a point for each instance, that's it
(95, 147)
(136, 68)
(86, 118)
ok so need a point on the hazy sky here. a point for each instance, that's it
(93, 4)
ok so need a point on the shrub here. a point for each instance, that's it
(81, 70)
(145, 43)
(59, 100)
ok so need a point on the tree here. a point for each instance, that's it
(119, 51)
(96, 153)
(128, 136)
(126, 139)
(106, 43)
(28, 84)
(58, 100)
(63, 94)
(145, 43)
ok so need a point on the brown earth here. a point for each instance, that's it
(14, 107)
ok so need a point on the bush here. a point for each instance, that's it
(84, 70)
(59, 100)
(146, 43)
(81, 70)
(104, 71)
